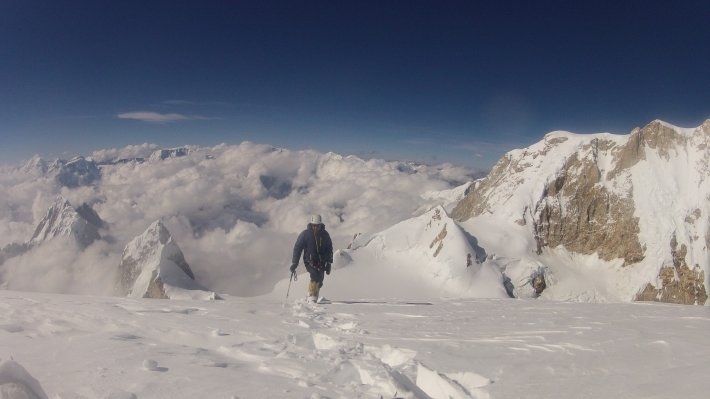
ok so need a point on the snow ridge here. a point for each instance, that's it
(432, 249)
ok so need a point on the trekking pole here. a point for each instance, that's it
(293, 277)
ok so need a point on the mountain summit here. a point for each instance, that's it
(427, 255)
(153, 266)
(62, 219)
(637, 202)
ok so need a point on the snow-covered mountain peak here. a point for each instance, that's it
(155, 234)
(163, 154)
(432, 249)
(620, 197)
(153, 266)
(62, 219)
(678, 129)
(79, 171)
(35, 165)
(154, 244)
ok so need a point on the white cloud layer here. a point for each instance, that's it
(235, 210)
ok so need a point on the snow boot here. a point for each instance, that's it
(313, 288)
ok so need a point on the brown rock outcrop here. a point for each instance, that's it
(585, 217)
(678, 283)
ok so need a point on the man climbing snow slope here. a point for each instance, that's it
(317, 248)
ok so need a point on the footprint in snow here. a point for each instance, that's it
(152, 365)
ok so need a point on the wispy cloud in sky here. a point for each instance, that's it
(156, 117)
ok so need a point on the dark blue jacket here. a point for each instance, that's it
(316, 247)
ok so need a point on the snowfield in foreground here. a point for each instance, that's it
(106, 347)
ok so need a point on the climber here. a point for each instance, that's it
(317, 248)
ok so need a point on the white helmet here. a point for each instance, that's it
(315, 219)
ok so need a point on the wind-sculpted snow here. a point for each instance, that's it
(103, 347)
(235, 209)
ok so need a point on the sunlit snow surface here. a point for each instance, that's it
(273, 347)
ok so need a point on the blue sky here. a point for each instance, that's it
(430, 81)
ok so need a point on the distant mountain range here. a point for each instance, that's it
(594, 217)
(81, 171)
(152, 265)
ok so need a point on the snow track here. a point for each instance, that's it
(100, 347)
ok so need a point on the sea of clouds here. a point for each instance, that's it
(234, 210)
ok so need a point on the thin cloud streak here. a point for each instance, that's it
(156, 117)
(153, 117)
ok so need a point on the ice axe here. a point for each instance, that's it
(293, 278)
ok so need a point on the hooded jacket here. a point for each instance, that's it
(317, 248)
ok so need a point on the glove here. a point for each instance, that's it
(327, 268)
(293, 267)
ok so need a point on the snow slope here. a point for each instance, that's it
(424, 256)
(80, 347)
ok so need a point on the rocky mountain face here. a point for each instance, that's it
(153, 266)
(62, 219)
(642, 199)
